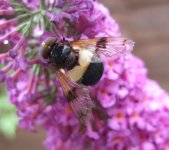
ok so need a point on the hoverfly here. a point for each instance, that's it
(78, 65)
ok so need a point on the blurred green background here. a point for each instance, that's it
(144, 21)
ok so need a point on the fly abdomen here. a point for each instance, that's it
(93, 73)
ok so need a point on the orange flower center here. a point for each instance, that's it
(102, 91)
(110, 64)
(68, 110)
(134, 115)
(119, 116)
(116, 139)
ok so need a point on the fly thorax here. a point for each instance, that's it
(71, 61)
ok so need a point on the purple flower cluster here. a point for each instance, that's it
(130, 111)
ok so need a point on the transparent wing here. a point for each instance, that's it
(77, 96)
(108, 46)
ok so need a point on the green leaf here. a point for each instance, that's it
(8, 125)
(42, 4)
(19, 8)
(1, 67)
(8, 118)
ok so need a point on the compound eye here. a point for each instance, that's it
(45, 48)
